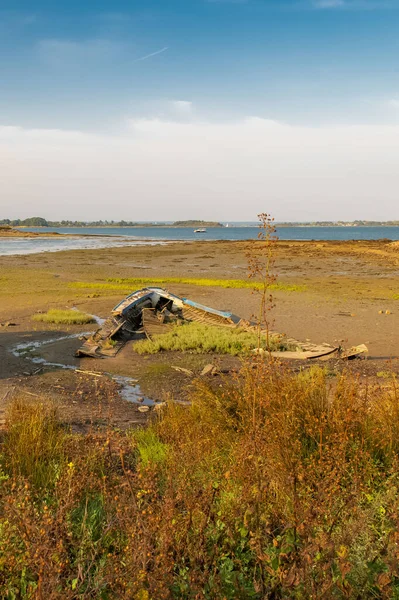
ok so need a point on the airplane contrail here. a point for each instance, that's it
(152, 54)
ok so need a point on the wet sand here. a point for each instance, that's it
(349, 299)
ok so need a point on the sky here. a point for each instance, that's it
(209, 109)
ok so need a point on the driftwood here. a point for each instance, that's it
(92, 373)
(8, 393)
(183, 370)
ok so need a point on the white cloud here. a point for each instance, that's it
(392, 103)
(182, 107)
(227, 171)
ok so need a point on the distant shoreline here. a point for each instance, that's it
(315, 225)
(16, 233)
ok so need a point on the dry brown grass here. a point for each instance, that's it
(274, 486)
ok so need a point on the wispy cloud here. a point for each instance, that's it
(228, 1)
(58, 52)
(354, 5)
(93, 51)
(152, 54)
(392, 103)
(328, 4)
(17, 18)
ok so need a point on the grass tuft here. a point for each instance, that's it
(34, 445)
(64, 317)
(199, 338)
(149, 447)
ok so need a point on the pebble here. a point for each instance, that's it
(143, 409)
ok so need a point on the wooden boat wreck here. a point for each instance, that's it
(149, 311)
(153, 311)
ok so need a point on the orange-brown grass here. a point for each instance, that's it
(274, 486)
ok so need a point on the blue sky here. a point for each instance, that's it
(96, 68)
(74, 63)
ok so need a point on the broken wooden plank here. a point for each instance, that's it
(153, 324)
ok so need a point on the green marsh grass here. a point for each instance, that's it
(151, 450)
(199, 338)
(129, 284)
(64, 317)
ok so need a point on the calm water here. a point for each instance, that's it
(127, 236)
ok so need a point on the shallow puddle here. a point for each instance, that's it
(129, 388)
(131, 391)
(24, 349)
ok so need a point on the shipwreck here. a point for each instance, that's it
(152, 311)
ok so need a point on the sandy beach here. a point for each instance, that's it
(341, 293)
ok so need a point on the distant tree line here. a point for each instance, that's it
(356, 223)
(40, 222)
(31, 222)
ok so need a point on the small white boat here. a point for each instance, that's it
(200, 230)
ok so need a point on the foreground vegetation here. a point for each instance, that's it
(199, 338)
(64, 317)
(274, 486)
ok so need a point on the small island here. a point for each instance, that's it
(195, 223)
(11, 232)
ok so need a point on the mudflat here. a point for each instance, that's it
(335, 292)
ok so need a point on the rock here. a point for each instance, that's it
(208, 370)
(143, 409)
(8, 324)
(259, 351)
(140, 399)
(387, 312)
